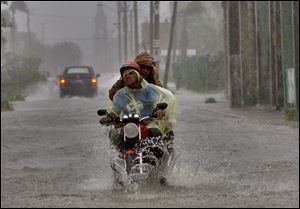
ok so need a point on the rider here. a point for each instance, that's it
(139, 96)
(147, 70)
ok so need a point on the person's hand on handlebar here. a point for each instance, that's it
(105, 120)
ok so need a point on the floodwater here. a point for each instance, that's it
(55, 154)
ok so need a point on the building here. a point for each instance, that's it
(164, 36)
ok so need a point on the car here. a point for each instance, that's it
(78, 80)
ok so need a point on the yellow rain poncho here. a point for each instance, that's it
(143, 101)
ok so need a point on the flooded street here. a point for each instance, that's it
(54, 153)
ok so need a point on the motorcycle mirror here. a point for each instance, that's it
(102, 112)
(162, 106)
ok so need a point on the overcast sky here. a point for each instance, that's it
(75, 20)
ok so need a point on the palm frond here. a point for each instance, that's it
(18, 5)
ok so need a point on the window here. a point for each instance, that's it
(78, 70)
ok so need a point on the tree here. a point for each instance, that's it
(4, 22)
(20, 6)
(185, 13)
(65, 54)
(201, 26)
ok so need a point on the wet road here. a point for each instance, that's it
(54, 154)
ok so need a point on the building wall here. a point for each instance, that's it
(164, 34)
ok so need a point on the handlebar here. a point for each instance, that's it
(101, 112)
(162, 106)
(116, 120)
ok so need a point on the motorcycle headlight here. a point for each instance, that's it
(131, 130)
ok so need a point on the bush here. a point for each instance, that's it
(17, 74)
(210, 100)
(20, 72)
(292, 116)
(12, 94)
(6, 106)
(202, 73)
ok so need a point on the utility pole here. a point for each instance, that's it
(156, 43)
(125, 30)
(14, 31)
(170, 44)
(119, 33)
(43, 33)
(101, 40)
(151, 28)
(29, 32)
(234, 49)
(136, 32)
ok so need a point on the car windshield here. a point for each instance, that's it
(78, 70)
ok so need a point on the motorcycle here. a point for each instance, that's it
(143, 152)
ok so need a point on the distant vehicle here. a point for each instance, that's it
(78, 80)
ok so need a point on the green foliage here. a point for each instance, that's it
(292, 116)
(189, 9)
(4, 19)
(12, 94)
(200, 26)
(19, 5)
(6, 105)
(202, 73)
(18, 73)
(4, 22)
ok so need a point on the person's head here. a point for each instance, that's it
(146, 63)
(130, 72)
